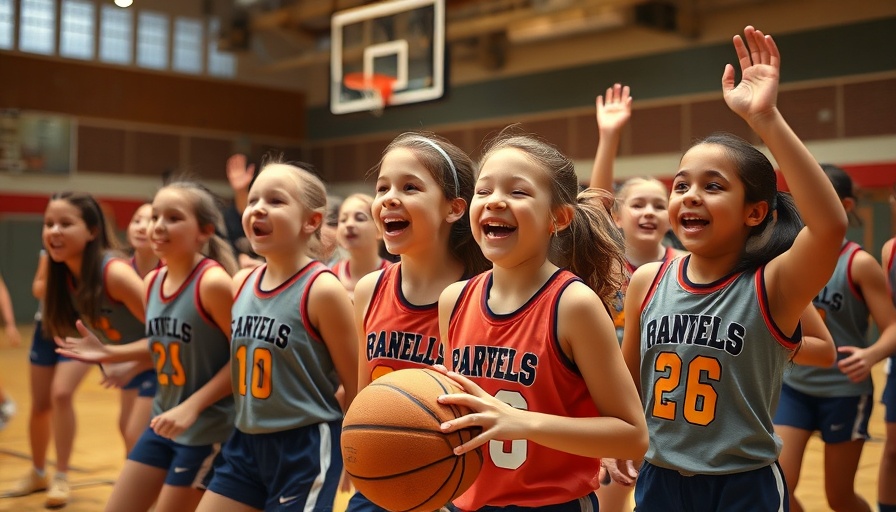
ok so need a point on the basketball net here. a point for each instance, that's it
(375, 88)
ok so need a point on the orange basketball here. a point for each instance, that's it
(394, 450)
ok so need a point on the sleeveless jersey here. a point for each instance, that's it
(342, 271)
(712, 361)
(133, 262)
(845, 314)
(188, 349)
(517, 358)
(619, 301)
(114, 323)
(399, 334)
(283, 376)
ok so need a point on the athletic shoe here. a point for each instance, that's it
(7, 410)
(29, 484)
(57, 496)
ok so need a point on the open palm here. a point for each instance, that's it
(760, 65)
(614, 109)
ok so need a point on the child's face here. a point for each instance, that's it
(409, 207)
(643, 214)
(175, 230)
(275, 220)
(65, 234)
(356, 229)
(707, 209)
(510, 214)
(138, 229)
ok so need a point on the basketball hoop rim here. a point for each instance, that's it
(357, 81)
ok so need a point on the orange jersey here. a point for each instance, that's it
(517, 358)
(399, 334)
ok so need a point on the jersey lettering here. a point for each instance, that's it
(405, 346)
(830, 299)
(501, 363)
(692, 329)
(168, 326)
(262, 328)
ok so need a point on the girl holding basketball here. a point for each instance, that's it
(292, 345)
(533, 343)
(84, 281)
(358, 236)
(708, 336)
(188, 304)
(423, 189)
(837, 400)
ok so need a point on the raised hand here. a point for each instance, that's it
(88, 348)
(760, 66)
(614, 109)
(238, 173)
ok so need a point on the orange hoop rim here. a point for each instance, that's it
(381, 83)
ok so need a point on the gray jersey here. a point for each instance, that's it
(114, 322)
(711, 368)
(283, 376)
(846, 317)
(188, 349)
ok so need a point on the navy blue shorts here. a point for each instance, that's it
(359, 503)
(187, 466)
(666, 490)
(889, 396)
(145, 383)
(295, 469)
(584, 504)
(43, 350)
(839, 419)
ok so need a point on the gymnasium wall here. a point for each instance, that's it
(838, 91)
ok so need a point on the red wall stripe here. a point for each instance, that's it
(120, 209)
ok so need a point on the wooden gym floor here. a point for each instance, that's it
(99, 451)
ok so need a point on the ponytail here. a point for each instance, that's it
(591, 246)
(773, 236)
(219, 250)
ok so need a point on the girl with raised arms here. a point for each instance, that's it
(708, 336)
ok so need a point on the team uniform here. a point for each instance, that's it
(188, 349)
(889, 396)
(116, 325)
(712, 362)
(285, 451)
(399, 335)
(618, 311)
(824, 399)
(517, 358)
(343, 272)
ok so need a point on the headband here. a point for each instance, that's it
(447, 159)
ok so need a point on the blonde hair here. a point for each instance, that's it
(625, 187)
(311, 193)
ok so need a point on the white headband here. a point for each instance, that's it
(447, 158)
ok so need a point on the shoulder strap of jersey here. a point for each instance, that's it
(656, 281)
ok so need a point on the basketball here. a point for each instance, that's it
(394, 450)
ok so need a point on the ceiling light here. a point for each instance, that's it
(124, 3)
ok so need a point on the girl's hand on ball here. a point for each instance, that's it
(498, 420)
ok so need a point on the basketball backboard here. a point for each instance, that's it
(387, 53)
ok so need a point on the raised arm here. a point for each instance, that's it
(791, 282)
(612, 112)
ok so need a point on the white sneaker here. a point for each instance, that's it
(57, 496)
(7, 409)
(29, 484)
